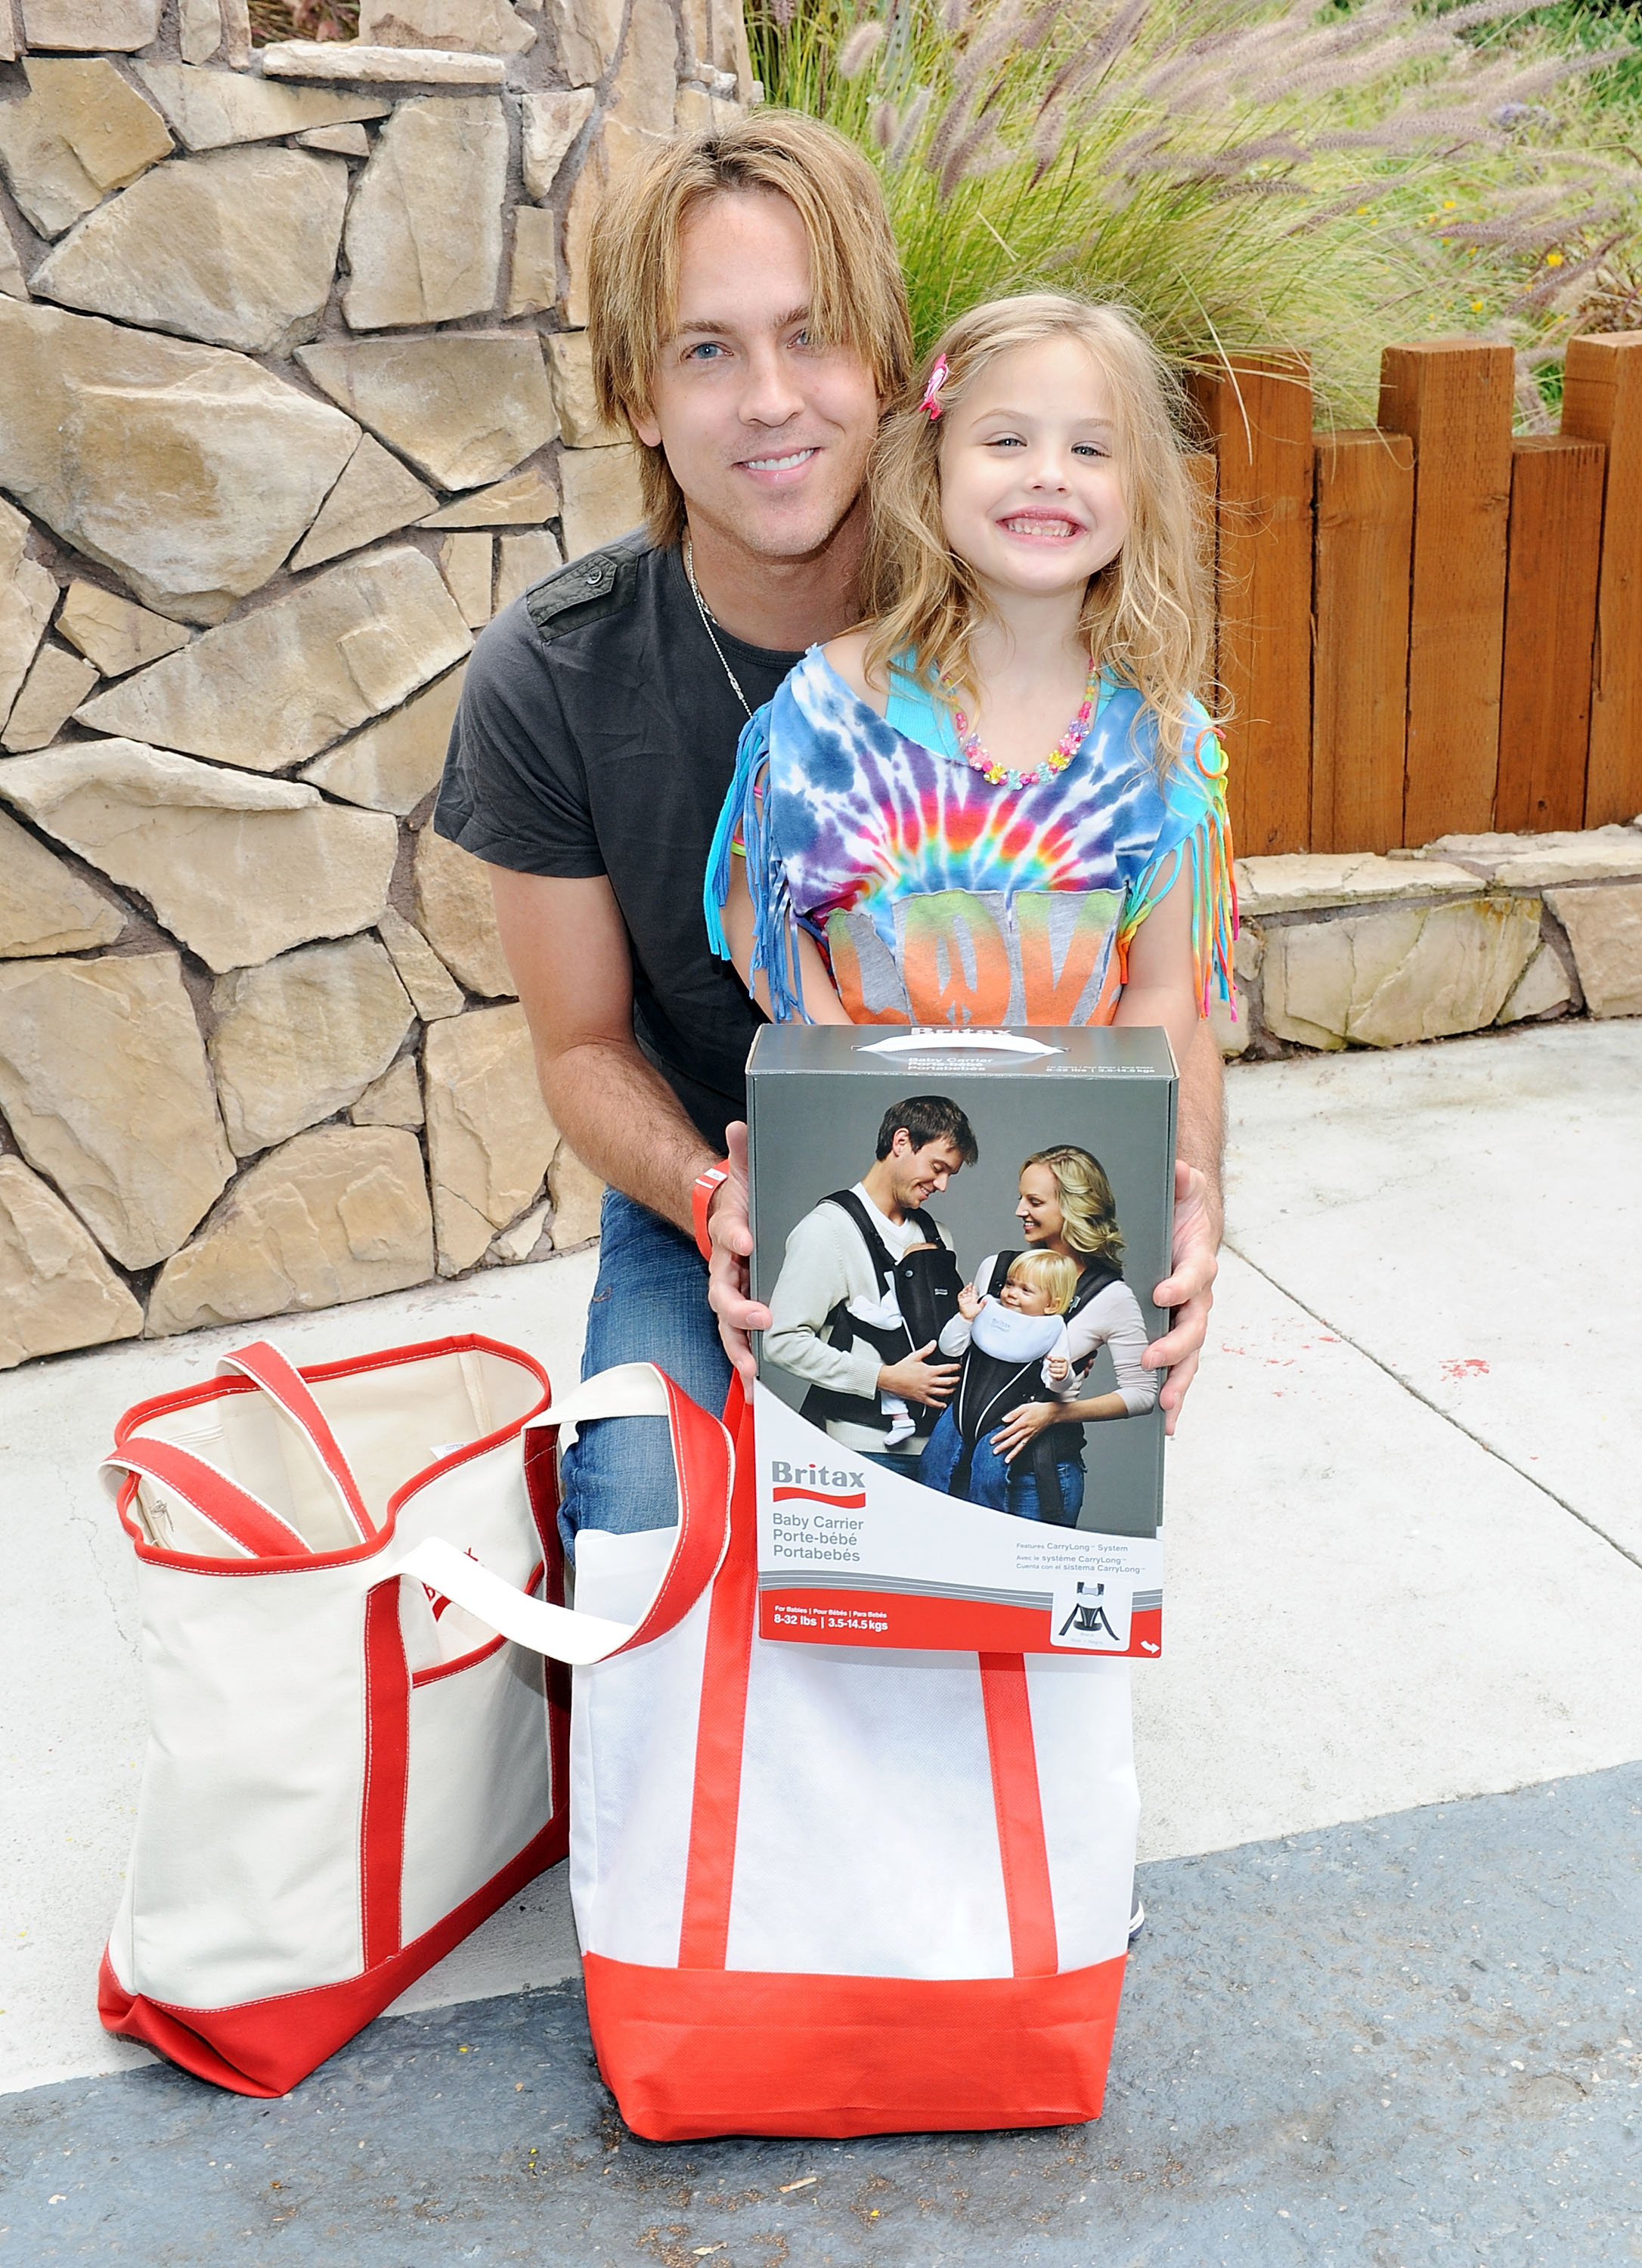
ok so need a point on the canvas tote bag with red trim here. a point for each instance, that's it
(825, 1890)
(346, 1770)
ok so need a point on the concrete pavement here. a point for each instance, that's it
(1405, 1534)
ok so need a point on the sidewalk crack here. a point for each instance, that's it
(1436, 1407)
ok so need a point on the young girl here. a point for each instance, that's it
(927, 838)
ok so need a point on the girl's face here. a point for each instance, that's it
(1030, 493)
(1039, 1210)
(1028, 1298)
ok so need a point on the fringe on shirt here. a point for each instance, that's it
(743, 827)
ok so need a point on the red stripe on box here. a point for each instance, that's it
(895, 1618)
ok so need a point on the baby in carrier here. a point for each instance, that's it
(1011, 1346)
(895, 1331)
(887, 1329)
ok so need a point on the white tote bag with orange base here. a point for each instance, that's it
(346, 1770)
(826, 1890)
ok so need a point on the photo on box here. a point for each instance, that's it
(957, 1234)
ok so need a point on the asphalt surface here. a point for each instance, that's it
(1408, 2041)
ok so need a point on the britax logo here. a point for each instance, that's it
(821, 1484)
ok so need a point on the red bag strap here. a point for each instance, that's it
(286, 1387)
(704, 1463)
(715, 1805)
(1018, 1802)
(704, 1460)
(241, 1519)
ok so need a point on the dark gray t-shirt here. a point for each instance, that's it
(596, 735)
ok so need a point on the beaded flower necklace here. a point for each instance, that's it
(978, 759)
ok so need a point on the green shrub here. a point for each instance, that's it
(1247, 178)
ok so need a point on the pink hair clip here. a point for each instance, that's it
(931, 392)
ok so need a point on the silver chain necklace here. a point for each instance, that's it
(701, 608)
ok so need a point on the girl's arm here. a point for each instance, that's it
(1161, 987)
(821, 999)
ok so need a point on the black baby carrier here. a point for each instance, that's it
(991, 1385)
(926, 1285)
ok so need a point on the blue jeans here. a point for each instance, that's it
(998, 1486)
(649, 1305)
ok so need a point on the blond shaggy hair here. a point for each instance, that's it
(1147, 617)
(1088, 1209)
(857, 295)
(1049, 1273)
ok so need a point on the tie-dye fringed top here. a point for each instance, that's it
(937, 898)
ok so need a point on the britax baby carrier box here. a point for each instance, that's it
(957, 1234)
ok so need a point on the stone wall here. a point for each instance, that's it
(294, 397)
(1472, 933)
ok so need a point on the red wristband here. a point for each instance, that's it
(701, 1198)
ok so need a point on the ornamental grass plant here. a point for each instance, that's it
(1247, 177)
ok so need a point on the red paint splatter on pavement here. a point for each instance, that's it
(1467, 1367)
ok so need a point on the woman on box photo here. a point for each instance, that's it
(1005, 1440)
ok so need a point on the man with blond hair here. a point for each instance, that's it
(749, 325)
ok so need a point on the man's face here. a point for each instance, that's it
(767, 435)
(917, 1175)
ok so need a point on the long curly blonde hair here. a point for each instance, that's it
(1088, 1209)
(1147, 617)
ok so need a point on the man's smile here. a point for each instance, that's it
(789, 463)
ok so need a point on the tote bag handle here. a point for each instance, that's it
(703, 1461)
(251, 1526)
(284, 1384)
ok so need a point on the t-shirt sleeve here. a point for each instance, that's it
(514, 790)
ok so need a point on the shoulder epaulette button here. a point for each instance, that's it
(582, 591)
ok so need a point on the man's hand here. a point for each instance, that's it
(917, 1379)
(1188, 1291)
(730, 1233)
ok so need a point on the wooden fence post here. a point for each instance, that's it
(1361, 625)
(1204, 472)
(1453, 397)
(1259, 414)
(1602, 401)
(1550, 629)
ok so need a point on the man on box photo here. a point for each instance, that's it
(748, 324)
(838, 1318)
